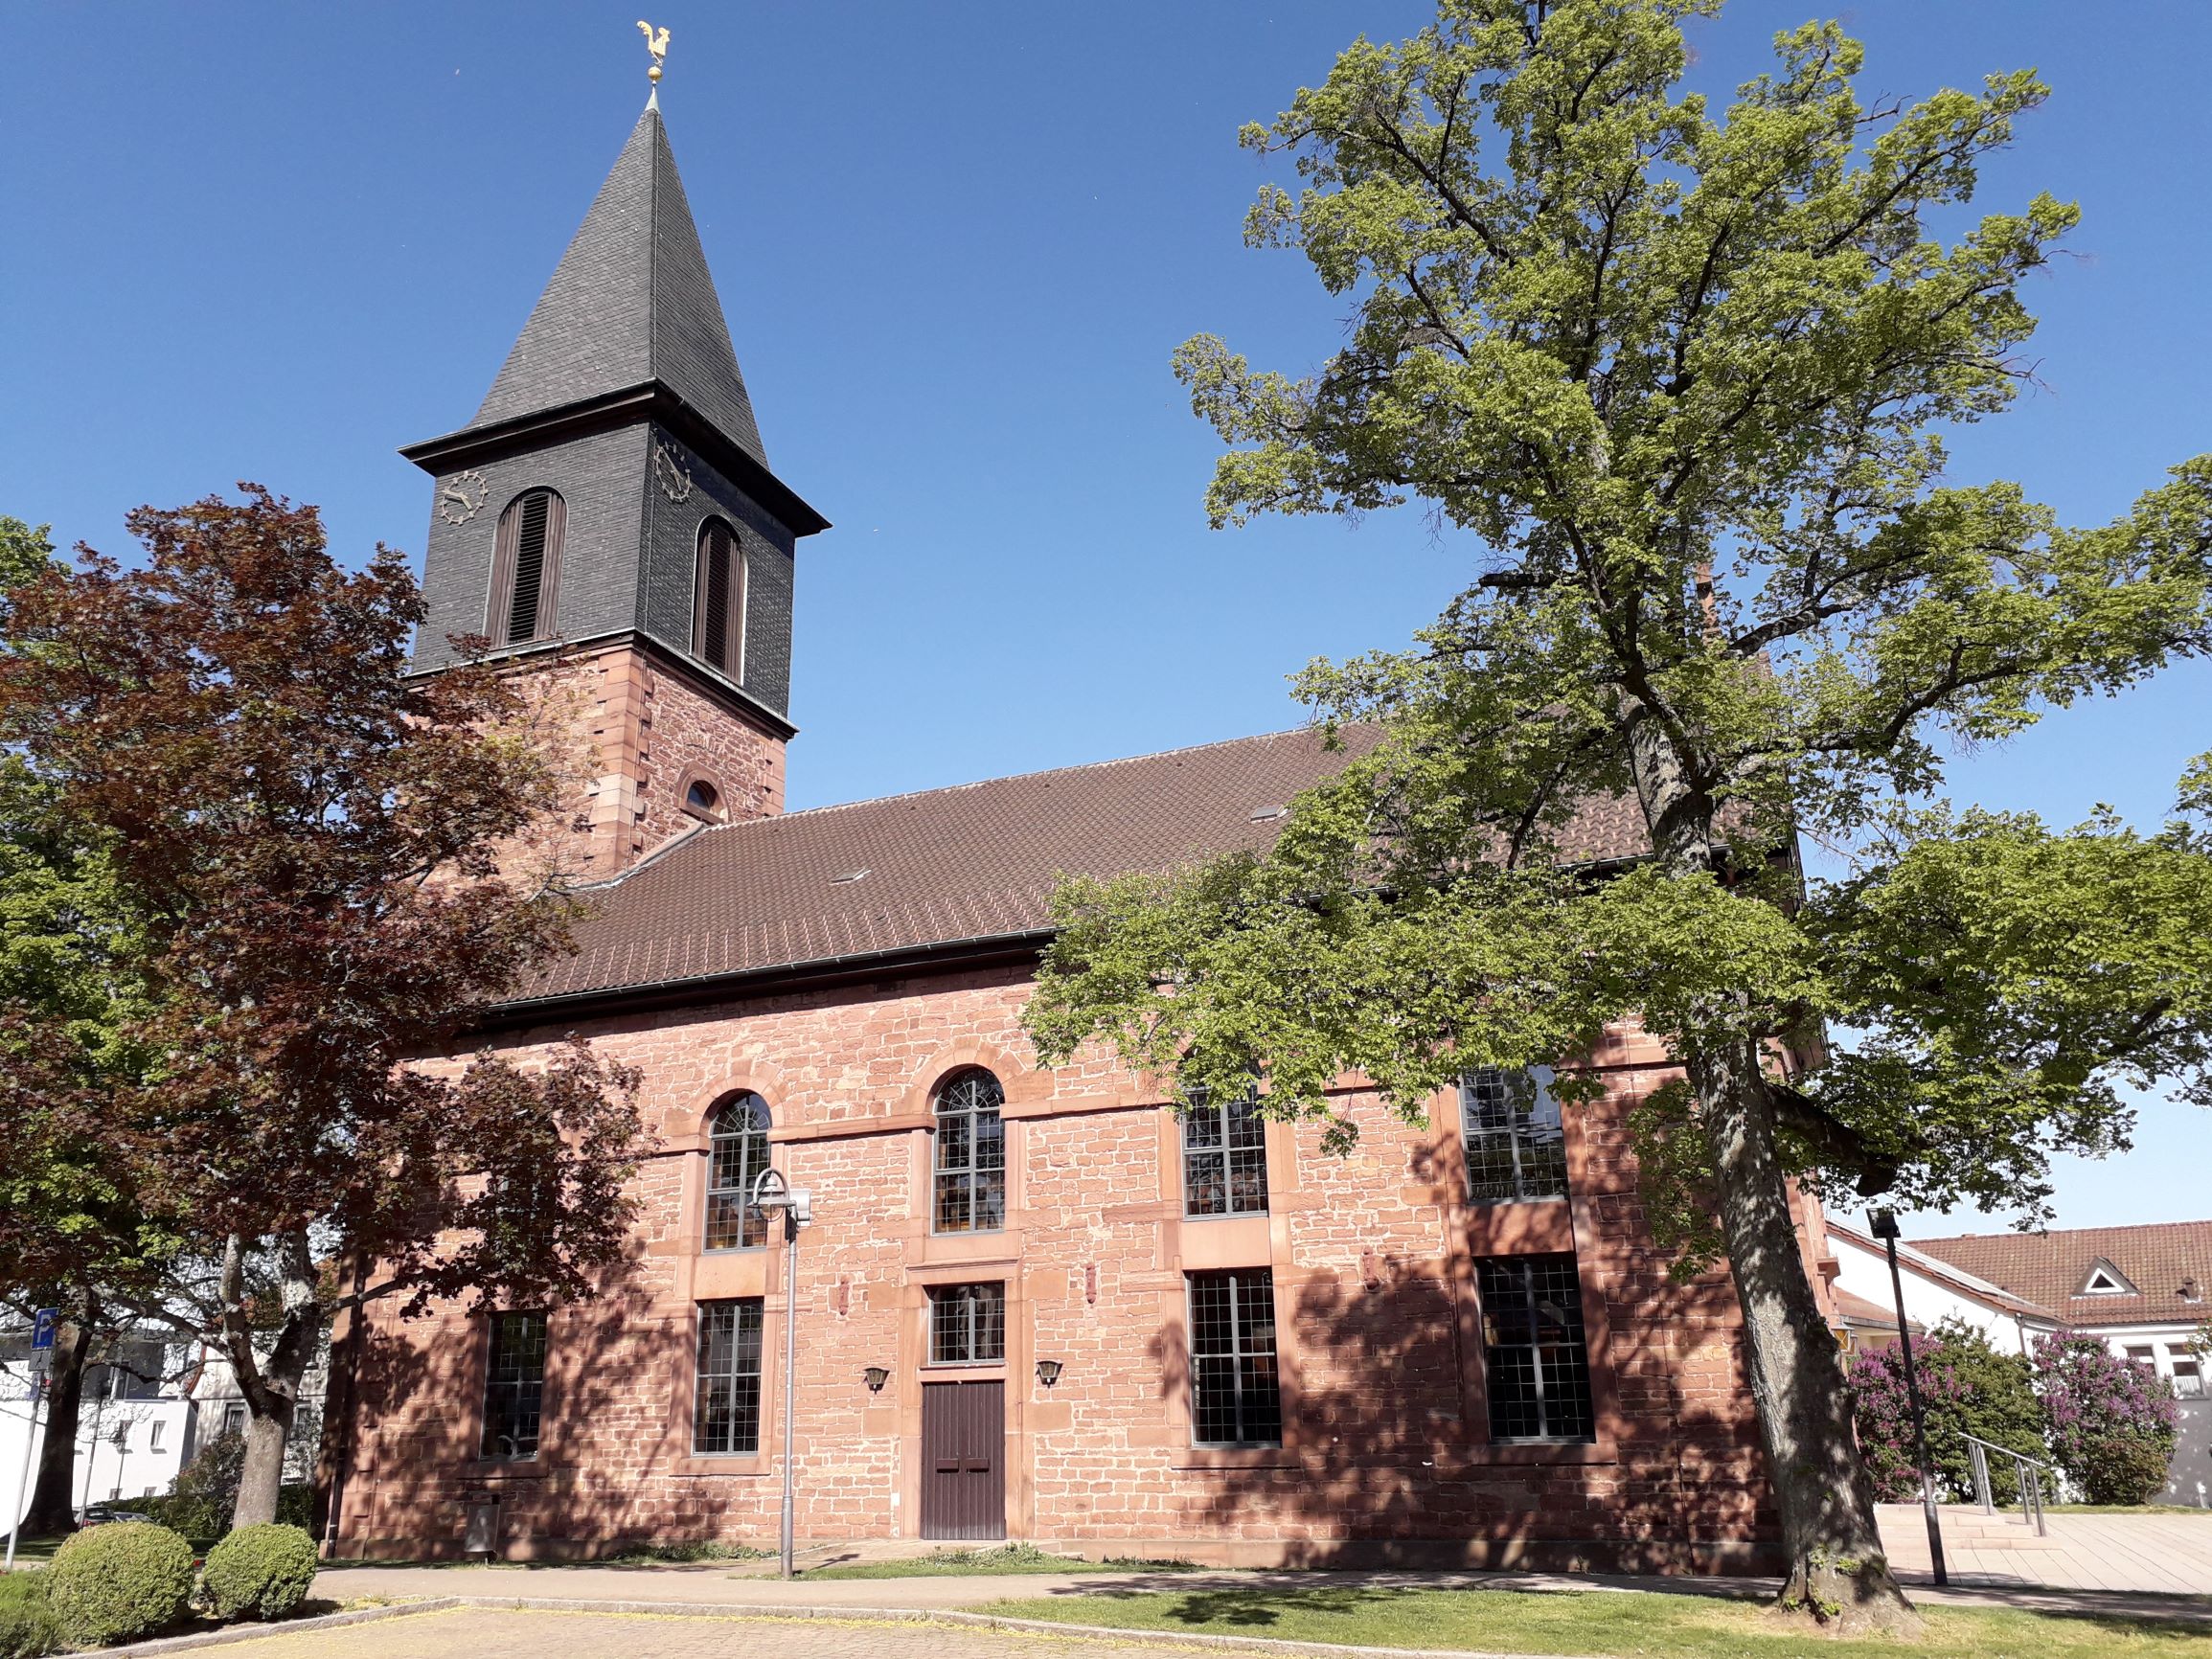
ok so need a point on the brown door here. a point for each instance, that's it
(962, 1460)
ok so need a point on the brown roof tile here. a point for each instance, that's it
(2049, 1267)
(975, 862)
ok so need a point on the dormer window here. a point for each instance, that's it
(526, 569)
(2106, 1280)
(718, 603)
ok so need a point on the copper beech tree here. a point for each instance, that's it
(1677, 377)
(318, 852)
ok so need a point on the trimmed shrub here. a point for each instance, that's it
(260, 1572)
(2112, 1419)
(119, 1582)
(29, 1629)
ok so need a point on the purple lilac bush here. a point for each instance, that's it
(2112, 1420)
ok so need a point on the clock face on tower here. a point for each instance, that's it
(461, 498)
(676, 482)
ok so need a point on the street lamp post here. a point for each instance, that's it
(1885, 1229)
(772, 1193)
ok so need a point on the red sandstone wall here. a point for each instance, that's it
(1385, 1439)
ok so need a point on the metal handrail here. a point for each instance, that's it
(2028, 1471)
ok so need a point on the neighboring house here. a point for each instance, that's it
(1864, 1326)
(219, 1406)
(133, 1427)
(2140, 1289)
(1034, 1302)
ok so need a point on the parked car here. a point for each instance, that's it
(99, 1514)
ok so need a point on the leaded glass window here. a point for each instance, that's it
(1516, 1143)
(1236, 1397)
(968, 1323)
(1535, 1361)
(970, 1155)
(1225, 1159)
(728, 1417)
(513, 1385)
(737, 1152)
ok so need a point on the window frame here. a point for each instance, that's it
(985, 1303)
(718, 1197)
(1246, 1288)
(1528, 1304)
(736, 595)
(1536, 1146)
(518, 1387)
(730, 1381)
(507, 540)
(960, 1124)
(1224, 1153)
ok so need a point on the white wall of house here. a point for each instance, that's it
(130, 1435)
(2189, 1479)
(1928, 1299)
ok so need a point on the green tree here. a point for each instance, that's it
(1679, 375)
(318, 853)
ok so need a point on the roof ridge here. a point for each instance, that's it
(1020, 777)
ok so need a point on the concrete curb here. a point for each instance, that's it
(248, 1632)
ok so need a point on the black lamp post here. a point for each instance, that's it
(1885, 1230)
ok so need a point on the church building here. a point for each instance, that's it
(1032, 1304)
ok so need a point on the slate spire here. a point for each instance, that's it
(631, 304)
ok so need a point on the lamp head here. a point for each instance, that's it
(1883, 1223)
(1048, 1371)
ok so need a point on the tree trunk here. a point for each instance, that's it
(1837, 1568)
(271, 1386)
(53, 1499)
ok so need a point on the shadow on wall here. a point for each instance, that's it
(1388, 1457)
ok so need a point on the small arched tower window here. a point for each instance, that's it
(970, 1195)
(737, 1152)
(526, 569)
(719, 604)
(702, 800)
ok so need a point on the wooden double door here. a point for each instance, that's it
(964, 1460)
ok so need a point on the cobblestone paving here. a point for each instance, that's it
(507, 1633)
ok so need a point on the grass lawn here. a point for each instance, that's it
(1629, 1623)
(1004, 1559)
(31, 1549)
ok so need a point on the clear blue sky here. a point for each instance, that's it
(956, 244)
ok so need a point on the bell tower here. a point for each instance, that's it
(609, 519)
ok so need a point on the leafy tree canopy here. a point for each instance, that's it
(1681, 374)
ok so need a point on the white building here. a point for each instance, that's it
(132, 1428)
(2140, 1288)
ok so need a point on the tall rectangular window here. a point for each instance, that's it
(513, 1385)
(1225, 1159)
(970, 1154)
(728, 1413)
(1535, 1359)
(966, 1324)
(1235, 1396)
(1517, 1145)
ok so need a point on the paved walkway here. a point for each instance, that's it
(2160, 1555)
(503, 1633)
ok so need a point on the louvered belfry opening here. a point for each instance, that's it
(718, 611)
(526, 569)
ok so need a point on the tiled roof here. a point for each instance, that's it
(1945, 1273)
(1857, 1309)
(631, 302)
(2049, 1267)
(949, 866)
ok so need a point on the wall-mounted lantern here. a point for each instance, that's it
(876, 1376)
(1048, 1371)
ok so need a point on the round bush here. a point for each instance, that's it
(2124, 1468)
(119, 1582)
(260, 1572)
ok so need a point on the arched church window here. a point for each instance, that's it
(737, 1152)
(970, 1154)
(719, 604)
(702, 800)
(526, 569)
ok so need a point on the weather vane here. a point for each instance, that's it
(657, 42)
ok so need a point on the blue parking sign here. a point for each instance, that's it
(42, 1329)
